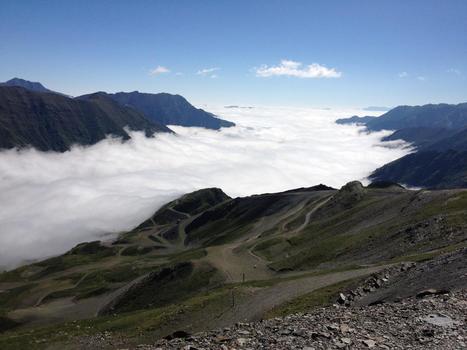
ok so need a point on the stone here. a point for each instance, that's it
(341, 299)
(346, 340)
(431, 291)
(299, 332)
(221, 339)
(344, 328)
(439, 320)
(369, 343)
(436, 322)
(242, 341)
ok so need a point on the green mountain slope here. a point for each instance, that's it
(206, 260)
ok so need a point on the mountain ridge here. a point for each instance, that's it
(439, 134)
(30, 85)
(168, 109)
(53, 122)
(50, 121)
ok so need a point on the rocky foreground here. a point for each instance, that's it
(428, 322)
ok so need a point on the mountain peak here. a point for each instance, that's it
(30, 85)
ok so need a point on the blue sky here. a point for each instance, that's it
(369, 52)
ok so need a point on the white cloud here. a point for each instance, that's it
(159, 70)
(421, 78)
(454, 71)
(403, 74)
(296, 69)
(207, 71)
(52, 201)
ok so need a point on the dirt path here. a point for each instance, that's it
(67, 309)
(41, 299)
(311, 212)
(234, 264)
(253, 306)
(237, 260)
(252, 303)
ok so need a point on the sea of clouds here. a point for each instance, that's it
(51, 201)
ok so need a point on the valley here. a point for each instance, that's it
(233, 175)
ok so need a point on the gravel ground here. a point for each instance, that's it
(431, 322)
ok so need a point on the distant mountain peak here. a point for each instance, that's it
(30, 85)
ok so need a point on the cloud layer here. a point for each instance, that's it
(50, 202)
(296, 69)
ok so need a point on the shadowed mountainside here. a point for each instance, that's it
(429, 169)
(32, 115)
(53, 122)
(439, 134)
(167, 109)
(438, 116)
(439, 163)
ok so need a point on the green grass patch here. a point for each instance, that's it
(166, 286)
(187, 255)
(145, 325)
(101, 281)
(11, 298)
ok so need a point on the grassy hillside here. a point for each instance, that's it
(206, 260)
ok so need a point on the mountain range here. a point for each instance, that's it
(32, 115)
(206, 260)
(53, 122)
(169, 109)
(439, 134)
(445, 116)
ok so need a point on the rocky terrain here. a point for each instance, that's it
(430, 322)
(359, 317)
